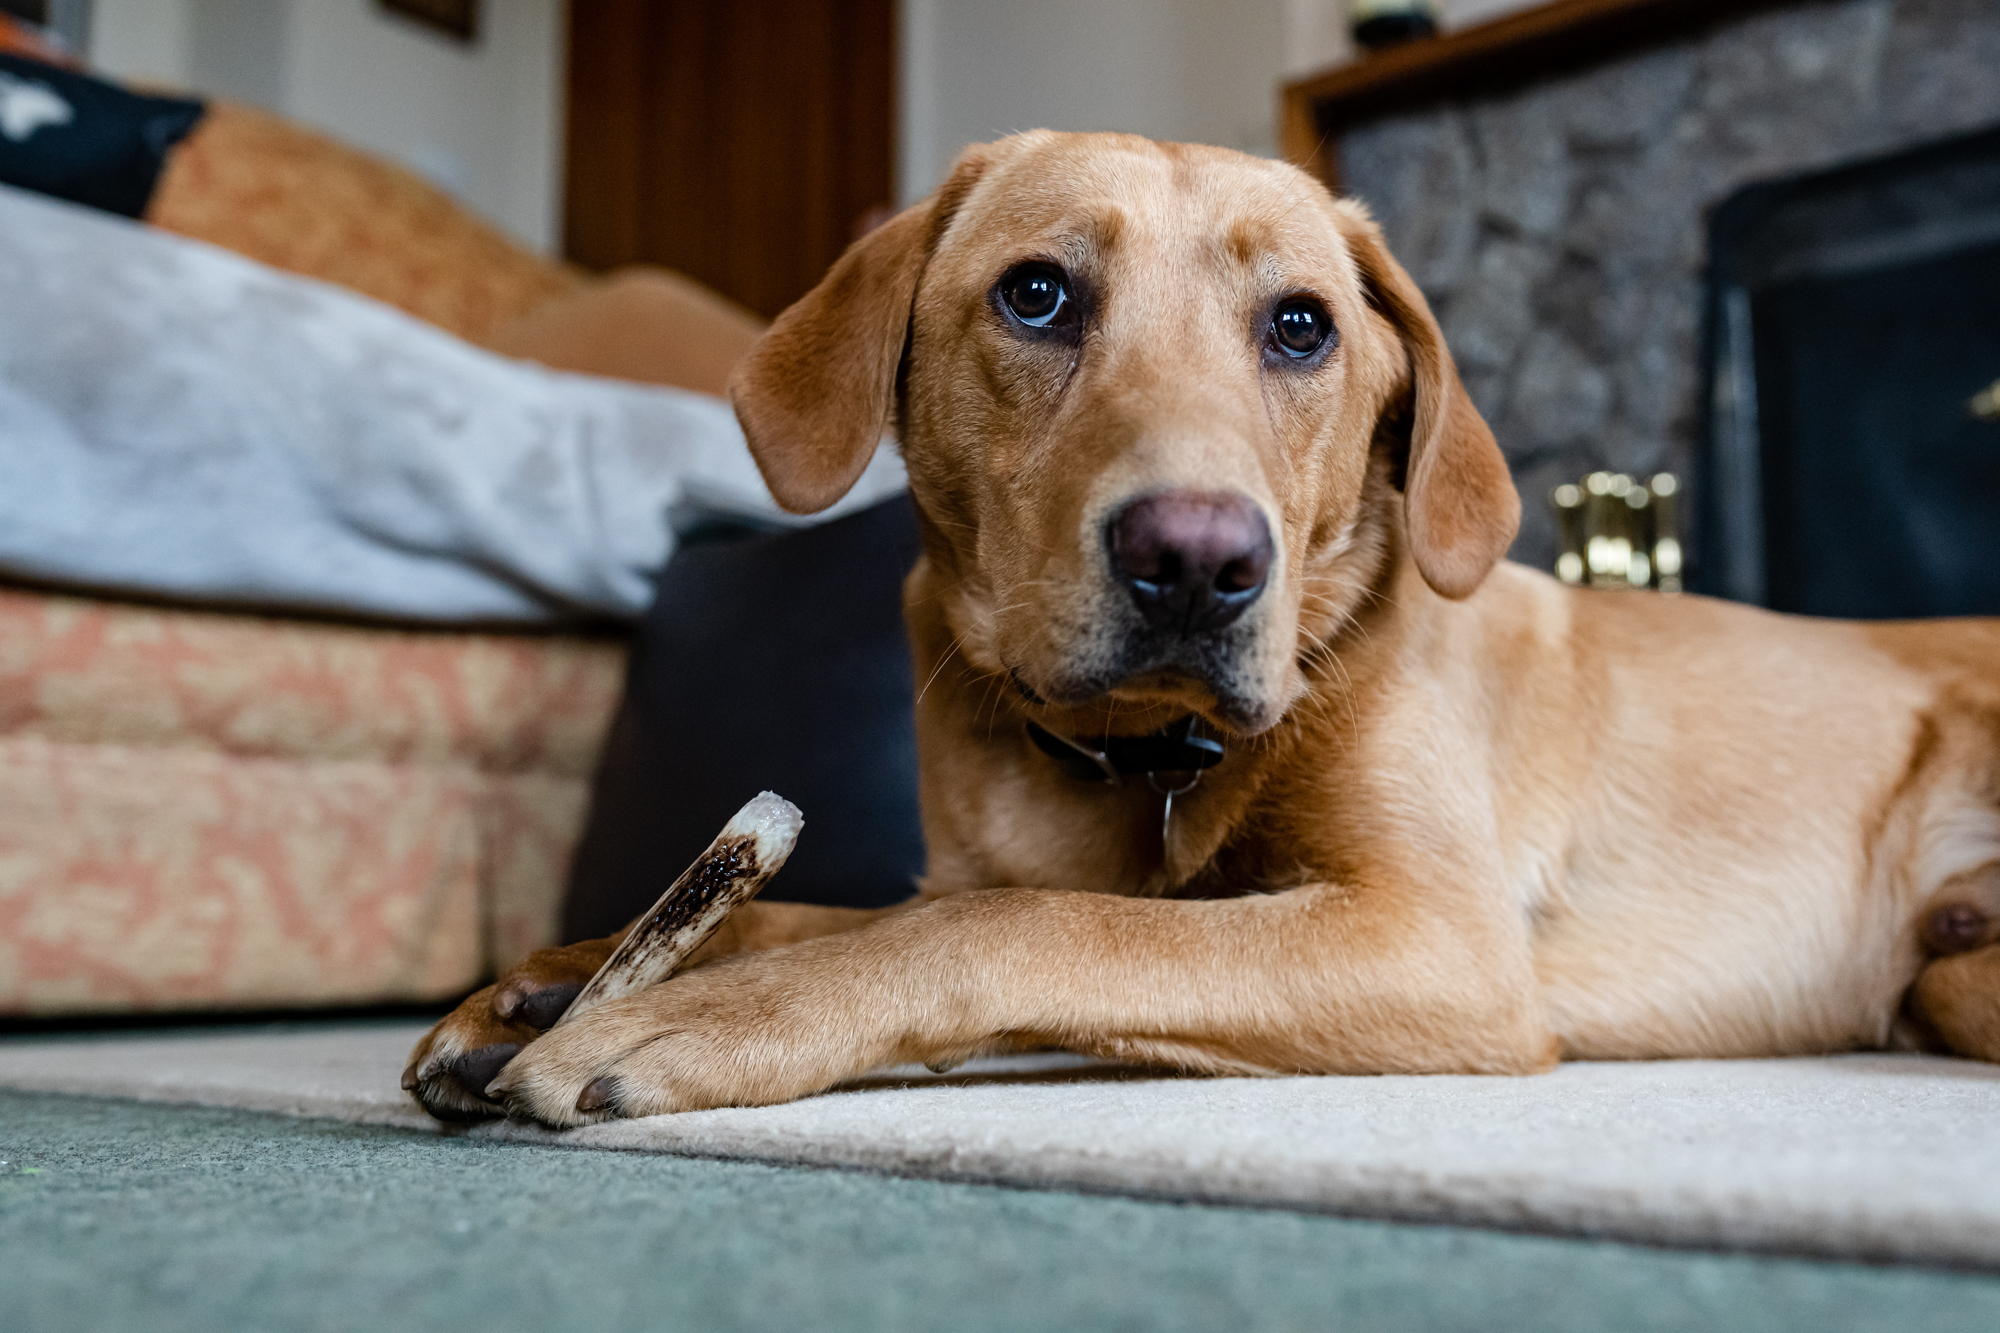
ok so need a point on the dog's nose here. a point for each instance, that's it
(1193, 560)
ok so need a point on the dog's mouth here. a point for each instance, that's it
(1142, 674)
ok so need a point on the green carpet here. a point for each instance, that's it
(123, 1216)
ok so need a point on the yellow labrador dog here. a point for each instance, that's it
(1202, 498)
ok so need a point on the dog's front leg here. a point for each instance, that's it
(1318, 979)
(453, 1062)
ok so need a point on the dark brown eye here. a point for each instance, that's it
(1300, 327)
(1036, 295)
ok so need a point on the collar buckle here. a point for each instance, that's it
(1173, 749)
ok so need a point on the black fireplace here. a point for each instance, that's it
(1850, 464)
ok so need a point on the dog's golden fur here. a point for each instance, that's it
(1470, 820)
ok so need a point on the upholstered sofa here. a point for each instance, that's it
(202, 810)
(205, 809)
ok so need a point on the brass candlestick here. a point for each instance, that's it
(1619, 532)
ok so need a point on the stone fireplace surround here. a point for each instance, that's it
(1558, 227)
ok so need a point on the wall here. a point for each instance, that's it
(974, 70)
(1205, 71)
(1316, 30)
(482, 120)
(1559, 230)
(486, 121)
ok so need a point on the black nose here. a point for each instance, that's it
(1193, 560)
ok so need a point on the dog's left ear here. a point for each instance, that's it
(1460, 507)
(816, 393)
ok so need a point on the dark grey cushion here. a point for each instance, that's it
(781, 663)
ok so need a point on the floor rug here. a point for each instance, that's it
(147, 1218)
(1875, 1157)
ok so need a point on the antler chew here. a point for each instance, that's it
(751, 848)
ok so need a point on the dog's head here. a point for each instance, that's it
(1157, 402)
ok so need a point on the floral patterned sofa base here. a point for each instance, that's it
(202, 810)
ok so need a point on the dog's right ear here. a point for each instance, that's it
(816, 393)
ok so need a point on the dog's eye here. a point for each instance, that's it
(1036, 295)
(1300, 328)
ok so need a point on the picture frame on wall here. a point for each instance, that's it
(454, 18)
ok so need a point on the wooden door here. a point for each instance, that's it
(739, 141)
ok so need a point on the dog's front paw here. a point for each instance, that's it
(742, 1033)
(452, 1064)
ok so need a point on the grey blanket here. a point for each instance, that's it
(180, 421)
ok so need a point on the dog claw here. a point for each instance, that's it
(542, 1009)
(598, 1094)
(536, 1007)
(1955, 928)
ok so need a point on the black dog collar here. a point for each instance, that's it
(1173, 749)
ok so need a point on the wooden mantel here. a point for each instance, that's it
(1517, 48)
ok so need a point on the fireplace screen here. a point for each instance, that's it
(1851, 461)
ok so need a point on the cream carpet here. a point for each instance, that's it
(1866, 1156)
